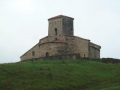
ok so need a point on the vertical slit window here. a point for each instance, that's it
(33, 53)
(56, 31)
(84, 55)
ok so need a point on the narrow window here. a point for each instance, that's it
(55, 38)
(56, 31)
(84, 55)
(33, 53)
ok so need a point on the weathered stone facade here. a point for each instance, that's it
(61, 41)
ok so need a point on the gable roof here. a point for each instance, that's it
(59, 16)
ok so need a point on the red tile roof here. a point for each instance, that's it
(59, 16)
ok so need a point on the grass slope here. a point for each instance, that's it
(60, 75)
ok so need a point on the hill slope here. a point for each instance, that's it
(59, 75)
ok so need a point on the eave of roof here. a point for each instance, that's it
(95, 44)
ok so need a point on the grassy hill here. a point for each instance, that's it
(60, 75)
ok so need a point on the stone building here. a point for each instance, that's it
(61, 41)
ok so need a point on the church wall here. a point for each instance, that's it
(52, 49)
(29, 54)
(94, 53)
(77, 45)
(97, 53)
(41, 50)
(94, 50)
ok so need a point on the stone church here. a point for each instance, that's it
(61, 41)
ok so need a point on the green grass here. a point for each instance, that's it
(60, 75)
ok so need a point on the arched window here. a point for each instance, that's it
(56, 31)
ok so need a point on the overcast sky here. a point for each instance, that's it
(24, 22)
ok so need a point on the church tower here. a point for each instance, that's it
(59, 26)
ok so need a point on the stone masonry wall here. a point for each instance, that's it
(77, 45)
(55, 23)
(44, 40)
(40, 50)
(94, 51)
(97, 53)
(68, 26)
(51, 48)
(72, 45)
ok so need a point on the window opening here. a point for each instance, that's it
(47, 54)
(33, 53)
(84, 55)
(56, 31)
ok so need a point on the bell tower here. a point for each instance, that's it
(59, 26)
